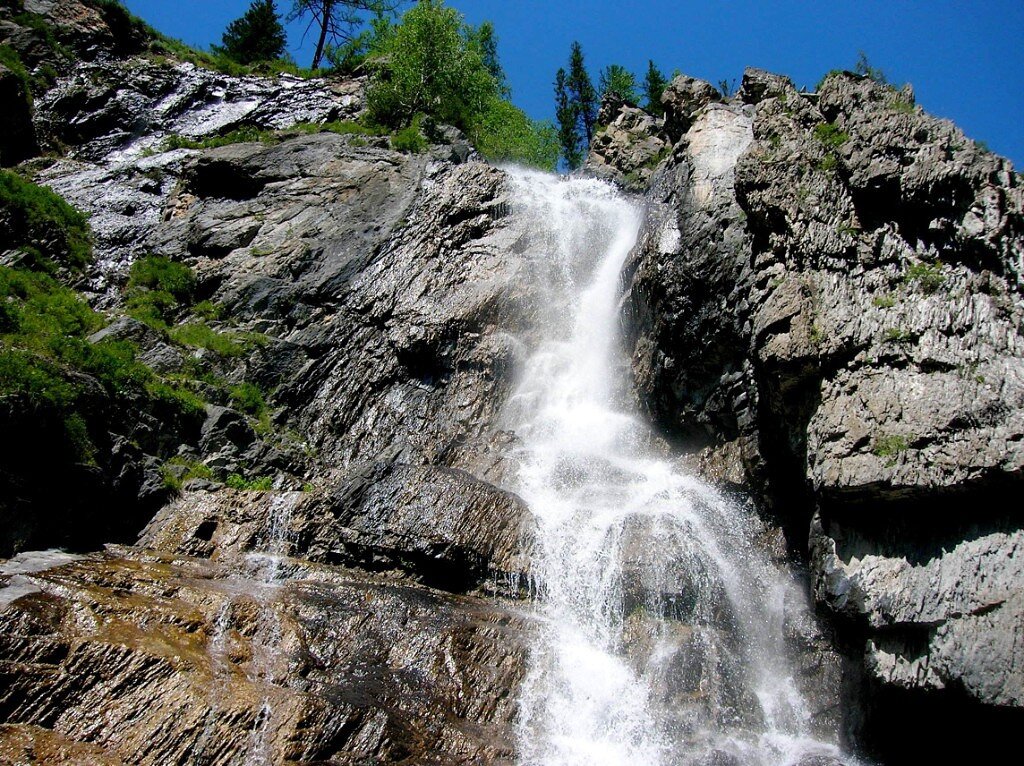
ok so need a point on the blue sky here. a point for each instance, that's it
(964, 59)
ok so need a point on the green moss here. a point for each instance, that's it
(37, 215)
(10, 59)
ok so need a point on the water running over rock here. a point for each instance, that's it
(663, 618)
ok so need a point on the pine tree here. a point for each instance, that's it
(257, 36)
(619, 83)
(582, 93)
(567, 115)
(654, 85)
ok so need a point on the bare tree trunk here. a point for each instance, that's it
(325, 22)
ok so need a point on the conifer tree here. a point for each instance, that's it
(582, 92)
(567, 116)
(576, 105)
(256, 36)
(654, 85)
(619, 83)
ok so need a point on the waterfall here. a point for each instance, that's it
(661, 632)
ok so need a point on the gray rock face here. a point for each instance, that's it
(826, 297)
(627, 149)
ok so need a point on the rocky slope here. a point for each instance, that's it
(823, 308)
(826, 299)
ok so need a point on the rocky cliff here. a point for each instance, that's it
(826, 302)
(313, 561)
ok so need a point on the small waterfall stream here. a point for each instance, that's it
(662, 635)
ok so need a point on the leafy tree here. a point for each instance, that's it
(433, 64)
(256, 36)
(504, 133)
(619, 83)
(428, 64)
(654, 85)
(337, 21)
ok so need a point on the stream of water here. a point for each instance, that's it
(662, 635)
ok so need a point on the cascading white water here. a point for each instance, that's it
(662, 632)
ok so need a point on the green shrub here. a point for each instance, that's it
(10, 59)
(249, 399)
(244, 135)
(503, 133)
(410, 139)
(259, 483)
(198, 334)
(38, 218)
(883, 301)
(155, 272)
(890, 445)
(927, 276)
(830, 135)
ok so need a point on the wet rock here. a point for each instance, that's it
(439, 526)
(329, 667)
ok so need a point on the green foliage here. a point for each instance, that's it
(248, 398)
(864, 69)
(10, 59)
(245, 134)
(207, 310)
(337, 21)
(157, 289)
(576, 105)
(156, 272)
(256, 36)
(433, 67)
(569, 138)
(830, 135)
(883, 301)
(890, 445)
(897, 335)
(49, 366)
(40, 219)
(654, 86)
(505, 134)
(410, 138)
(178, 470)
(928, 277)
(258, 483)
(198, 334)
(619, 83)
(429, 64)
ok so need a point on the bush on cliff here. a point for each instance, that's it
(432, 63)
